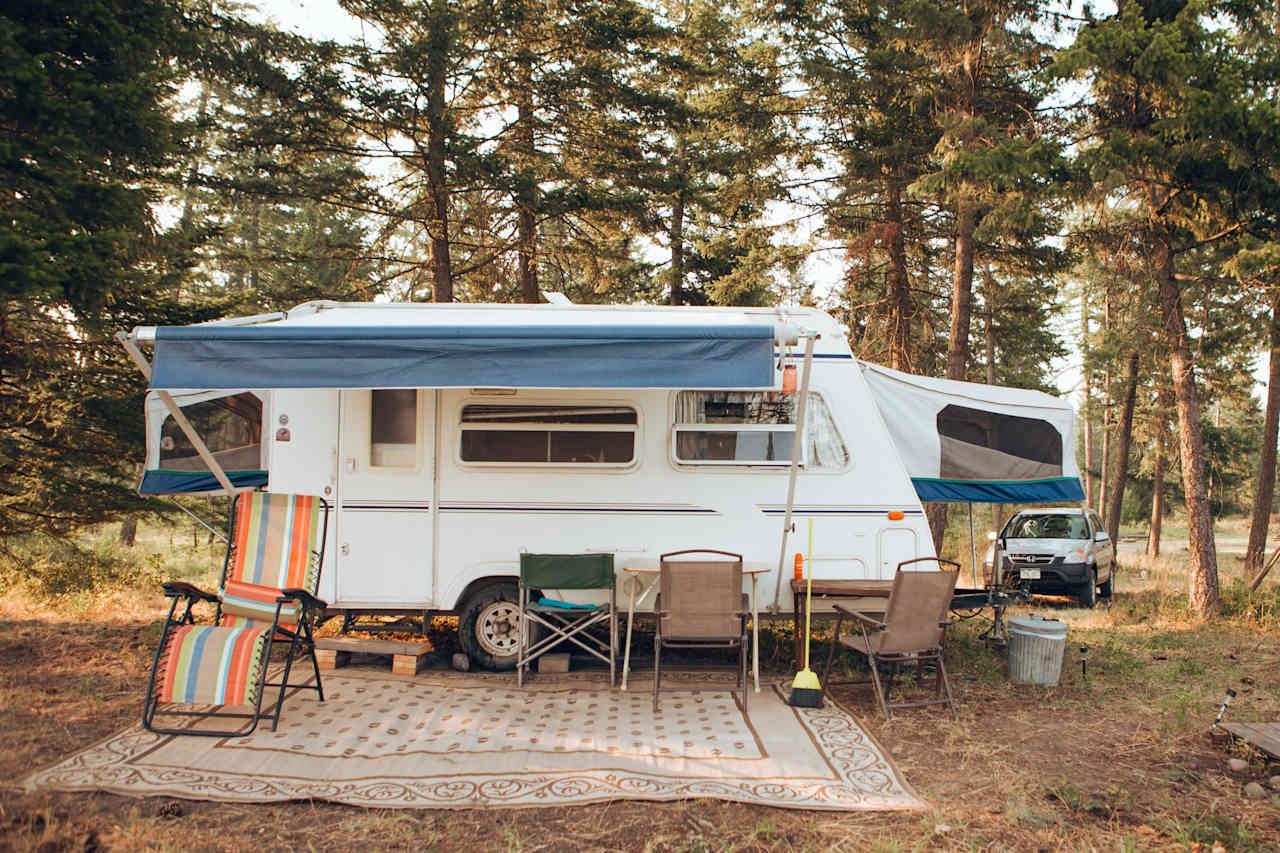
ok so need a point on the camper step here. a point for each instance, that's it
(406, 658)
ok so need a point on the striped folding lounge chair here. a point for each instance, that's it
(267, 597)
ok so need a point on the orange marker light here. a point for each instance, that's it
(896, 516)
(799, 567)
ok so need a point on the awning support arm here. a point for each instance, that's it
(796, 447)
(131, 347)
(200, 521)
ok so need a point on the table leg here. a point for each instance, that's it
(755, 635)
(633, 582)
(795, 626)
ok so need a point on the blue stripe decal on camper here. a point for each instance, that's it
(822, 511)
(604, 509)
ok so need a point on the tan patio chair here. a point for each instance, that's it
(701, 605)
(911, 631)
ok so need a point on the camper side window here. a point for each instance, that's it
(393, 428)
(753, 428)
(549, 435)
(231, 427)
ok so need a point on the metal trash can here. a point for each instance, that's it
(1036, 647)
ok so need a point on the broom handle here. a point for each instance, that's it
(808, 595)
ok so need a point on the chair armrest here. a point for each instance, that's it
(861, 617)
(182, 589)
(307, 599)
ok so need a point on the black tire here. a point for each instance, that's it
(489, 627)
(1106, 588)
(1088, 592)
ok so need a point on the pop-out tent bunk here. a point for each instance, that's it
(964, 442)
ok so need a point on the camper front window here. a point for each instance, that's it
(231, 427)
(752, 428)
(548, 435)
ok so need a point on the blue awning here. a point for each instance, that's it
(1007, 492)
(158, 482)
(604, 356)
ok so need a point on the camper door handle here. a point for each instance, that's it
(351, 464)
(346, 549)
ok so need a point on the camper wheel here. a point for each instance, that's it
(489, 626)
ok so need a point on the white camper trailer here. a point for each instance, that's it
(450, 438)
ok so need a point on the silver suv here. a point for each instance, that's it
(1060, 550)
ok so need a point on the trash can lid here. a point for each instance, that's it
(1044, 627)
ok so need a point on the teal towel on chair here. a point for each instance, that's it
(564, 605)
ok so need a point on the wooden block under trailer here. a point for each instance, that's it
(406, 658)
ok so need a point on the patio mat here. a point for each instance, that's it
(460, 742)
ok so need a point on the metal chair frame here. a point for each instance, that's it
(869, 627)
(741, 642)
(309, 609)
(569, 624)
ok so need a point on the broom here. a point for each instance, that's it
(806, 690)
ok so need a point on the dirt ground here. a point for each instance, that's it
(1115, 760)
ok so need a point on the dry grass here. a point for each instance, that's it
(1117, 760)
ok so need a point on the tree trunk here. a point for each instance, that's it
(937, 515)
(1157, 476)
(989, 293)
(1088, 397)
(961, 315)
(438, 227)
(1203, 570)
(675, 236)
(1265, 482)
(1120, 466)
(900, 308)
(961, 292)
(129, 532)
(1104, 479)
(527, 231)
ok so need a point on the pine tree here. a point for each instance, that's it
(87, 142)
(1176, 131)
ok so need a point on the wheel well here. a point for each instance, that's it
(479, 584)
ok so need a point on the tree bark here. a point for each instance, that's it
(1205, 601)
(1157, 476)
(1120, 465)
(961, 292)
(900, 308)
(526, 200)
(1104, 463)
(1265, 481)
(437, 127)
(128, 532)
(961, 316)
(1087, 371)
(675, 236)
(937, 515)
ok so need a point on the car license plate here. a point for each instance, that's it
(1029, 574)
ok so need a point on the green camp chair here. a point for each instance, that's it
(563, 621)
(269, 581)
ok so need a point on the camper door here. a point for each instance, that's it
(229, 423)
(385, 515)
